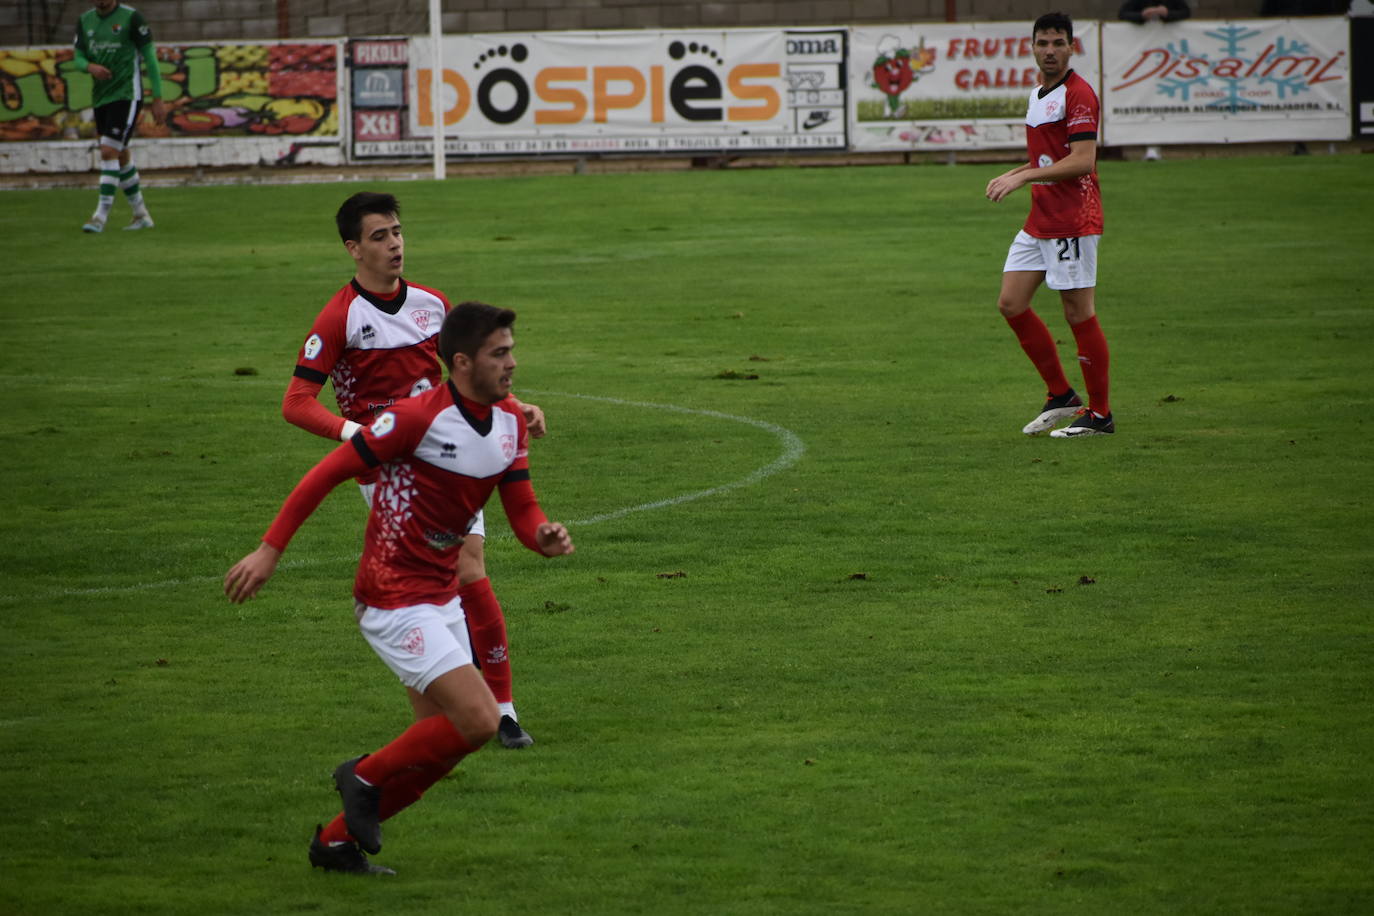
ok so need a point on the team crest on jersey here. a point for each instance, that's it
(422, 319)
(1051, 110)
(116, 28)
(313, 346)
(414, 642)
(508, 447)
(383, 424)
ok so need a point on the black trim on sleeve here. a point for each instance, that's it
(518, 475)
(310, 375)
(360, 444)
(390, 306)
(1085, 135)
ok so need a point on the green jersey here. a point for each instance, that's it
(117, 41)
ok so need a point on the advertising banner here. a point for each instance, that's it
(1362, 76)
(816, 95)
(949, 86)
(1201, 81)
(210, 90)
(624, 92)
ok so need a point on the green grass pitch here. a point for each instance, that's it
(836, 637)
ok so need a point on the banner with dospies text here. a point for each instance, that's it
(626, 92)
(1201, 81)
(949, 86)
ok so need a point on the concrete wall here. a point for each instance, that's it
(228, 20)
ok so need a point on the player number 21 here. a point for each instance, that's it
(1064, 246)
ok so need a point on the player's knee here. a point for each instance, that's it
(1010, 308)
(478, 725)
(1078, 310)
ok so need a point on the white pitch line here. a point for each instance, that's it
(792, 450)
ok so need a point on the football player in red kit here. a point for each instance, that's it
(1058, 244)
(439, 455)
(375, 341)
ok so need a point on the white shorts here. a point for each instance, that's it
(420, 642)
(479, 522)
(1066, 263)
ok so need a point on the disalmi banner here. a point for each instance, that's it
(1201, 81)
(949, 86)
(623, 92)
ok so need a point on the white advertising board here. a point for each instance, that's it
(949, 86)
(627, 92)
(1201, 81)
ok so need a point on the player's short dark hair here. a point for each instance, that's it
(350, 215)
(1054, 22)
(467, 326)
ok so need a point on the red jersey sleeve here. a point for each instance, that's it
(1082, 111)
(341, 464)
(301, 406)
(517, 492)
(522, 508)
(325, 344)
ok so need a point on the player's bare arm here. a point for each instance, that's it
(250, 574)
(1005, 183)
(1080, 161)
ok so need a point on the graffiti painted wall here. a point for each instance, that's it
(241, 90)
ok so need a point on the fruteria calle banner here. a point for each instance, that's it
(569, 92)
(1223, 82)
(949, 86)
(215, 90)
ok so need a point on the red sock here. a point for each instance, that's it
(336, 831)
(1093, 360)
(1038, 343)
(487, 628)
(405, 788)
(401, 791)
(428, 743)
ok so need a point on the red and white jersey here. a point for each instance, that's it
(376, 351)
(1056, 116)
(439, 461)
